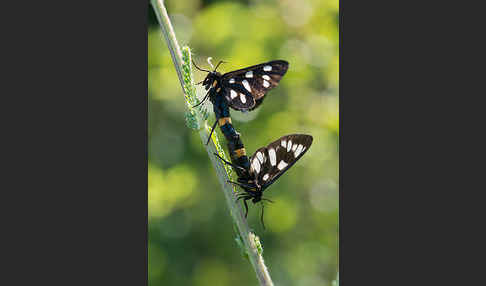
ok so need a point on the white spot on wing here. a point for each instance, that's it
(265, 177)
(232, 80)
(299, 150)
(294, 147)
(289, 145)
(233, 94)
(281, 165)
(273, 156)
(256, 166)
(242, 98)
(267, 68)
(260, 157)
(247, 85)
(266, 83)
(249, 74)
(283, 143)
(266, 77)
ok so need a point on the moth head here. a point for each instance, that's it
(256, 194)
(211, 79)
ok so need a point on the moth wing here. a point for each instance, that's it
(238, 98)
(276, 158)
(256, 80)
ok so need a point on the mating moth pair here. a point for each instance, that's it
(244, 90)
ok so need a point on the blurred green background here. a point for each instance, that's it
(191, 236)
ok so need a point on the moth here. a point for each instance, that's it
(243, 89)
(267, 164)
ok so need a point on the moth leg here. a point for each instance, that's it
(240, 196)
(243, 185)
(228, 163)
(203, 100)
(239, 184)
(246, 206)
(261, 217)
(212, 129)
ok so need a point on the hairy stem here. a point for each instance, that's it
(250, 242)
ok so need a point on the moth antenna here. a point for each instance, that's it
(199, 67)
(210, 63)
(220, 62)
(261, 217)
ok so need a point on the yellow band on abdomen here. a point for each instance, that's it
(240, 152)
(223, 120)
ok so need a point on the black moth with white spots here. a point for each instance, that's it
(244, 89)
(268, 164)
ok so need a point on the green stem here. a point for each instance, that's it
(251, 242)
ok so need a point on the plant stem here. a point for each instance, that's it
(251, 242)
